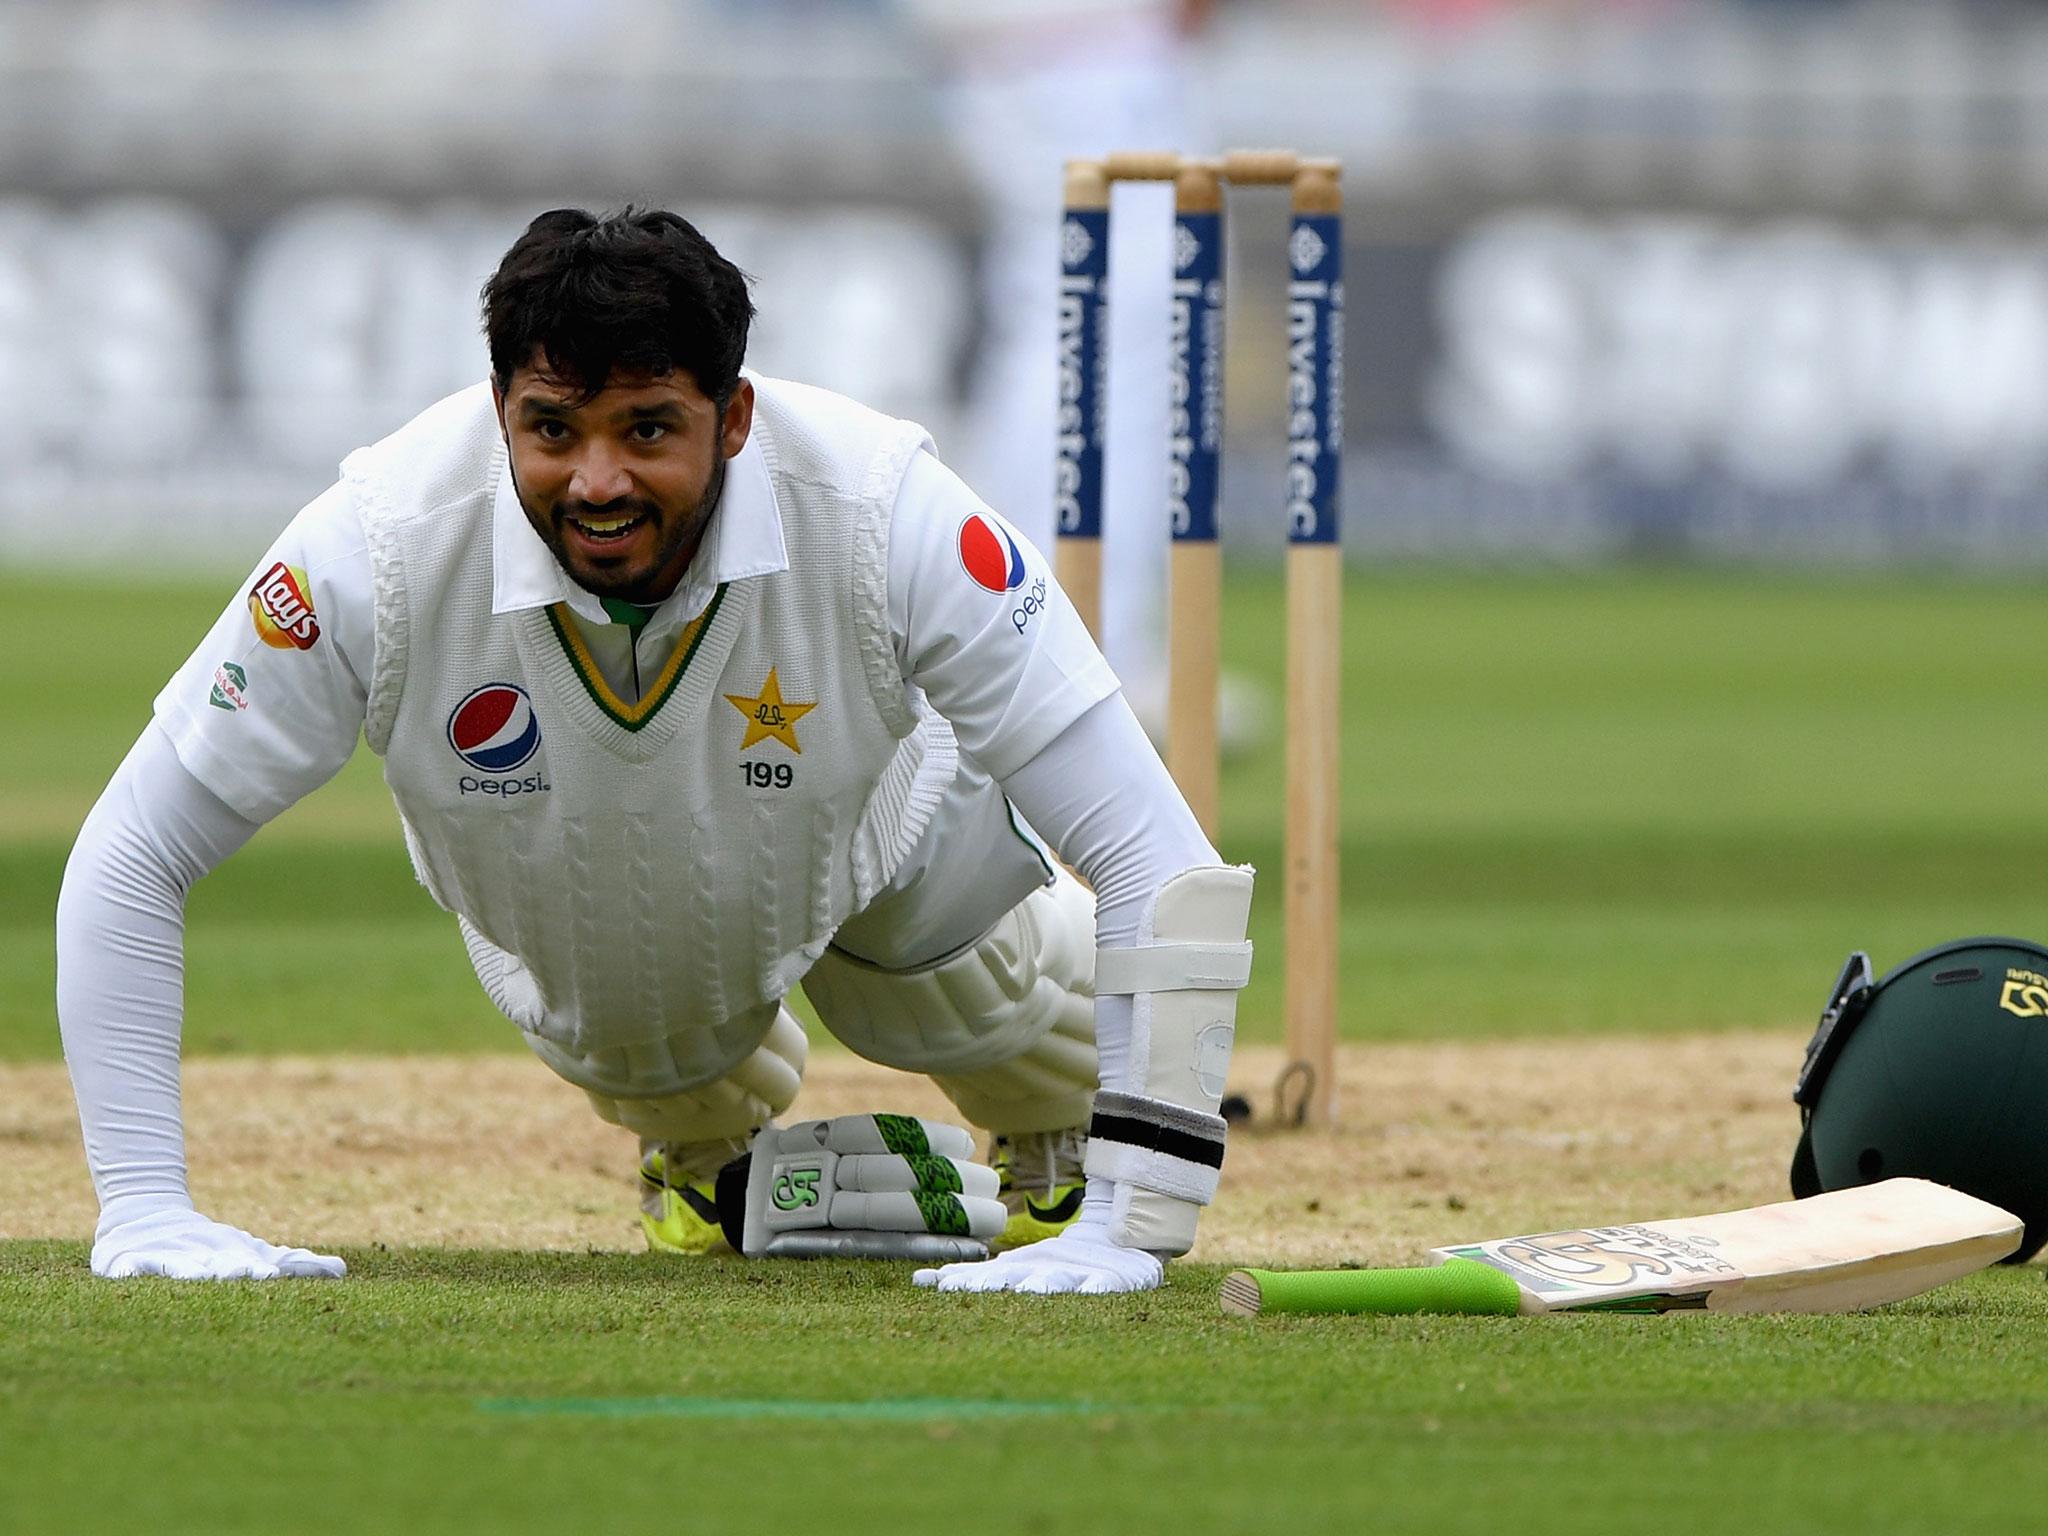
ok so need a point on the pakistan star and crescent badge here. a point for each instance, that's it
(769, 714)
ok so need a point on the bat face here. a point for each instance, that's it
(1603, 1258)
(1852, 1248)
(1644, 1268)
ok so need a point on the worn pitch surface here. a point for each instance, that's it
(1438, 1143)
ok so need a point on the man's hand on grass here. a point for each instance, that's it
(1081, 1260)
(180, 1244)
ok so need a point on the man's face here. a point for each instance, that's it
(621, 485)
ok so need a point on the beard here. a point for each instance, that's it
(650, 559)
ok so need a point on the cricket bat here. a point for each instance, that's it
(1837, 1252)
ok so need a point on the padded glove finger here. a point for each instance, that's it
(176, 1242)
(1079, 1261)
(889, 1174)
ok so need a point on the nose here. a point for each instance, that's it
(600, 476)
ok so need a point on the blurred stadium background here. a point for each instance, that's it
(1679, 278)
(1662, 315)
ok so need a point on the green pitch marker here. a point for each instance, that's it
(1457, 1286)
(880, 1410)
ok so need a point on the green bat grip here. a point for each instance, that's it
(1460, 1286)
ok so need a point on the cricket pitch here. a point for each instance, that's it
(1436, 1144)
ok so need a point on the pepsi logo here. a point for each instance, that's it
(494, 729)
(990, 555)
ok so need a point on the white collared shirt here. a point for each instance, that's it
(263, 722)
(744, 539)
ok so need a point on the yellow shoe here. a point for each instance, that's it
(678, 1212)
(1042, 1184)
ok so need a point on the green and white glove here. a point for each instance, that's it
(869, 1187)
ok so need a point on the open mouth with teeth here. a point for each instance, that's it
(605, 530)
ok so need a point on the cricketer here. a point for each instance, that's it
(691, 685)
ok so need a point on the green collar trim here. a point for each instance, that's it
(633, 615)
(632, 716)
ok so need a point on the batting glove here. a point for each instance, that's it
(1079, 1261)
(180, 1244)
(869, 1187)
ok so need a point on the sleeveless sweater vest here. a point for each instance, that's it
(640, 885)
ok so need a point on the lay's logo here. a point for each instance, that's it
(281, 604)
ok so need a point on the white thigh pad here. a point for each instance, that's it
(1005, 1026)
(981, 1005)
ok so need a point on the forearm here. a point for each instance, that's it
(120, 964)
(1103, 799)
(1100, 795)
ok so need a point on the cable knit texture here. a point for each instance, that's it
(655, 884)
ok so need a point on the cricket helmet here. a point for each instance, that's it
(1938, 1070)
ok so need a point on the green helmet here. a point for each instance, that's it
(1937, 1071)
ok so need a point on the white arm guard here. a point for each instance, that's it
(1158, 1134)
(870, 1187)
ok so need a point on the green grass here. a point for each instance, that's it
(1627, 800)
(469, 1392)
(1573, 802)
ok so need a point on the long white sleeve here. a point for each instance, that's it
(1101, 796)
(121, 964)
(999, 651)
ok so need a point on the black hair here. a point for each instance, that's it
(639, 290)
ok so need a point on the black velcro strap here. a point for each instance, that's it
(1157, 1138)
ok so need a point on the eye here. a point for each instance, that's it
(648, 431)
(549, 430)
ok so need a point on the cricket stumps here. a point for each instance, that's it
(1194, 448)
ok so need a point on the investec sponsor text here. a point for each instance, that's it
(1306, 445)
(1078, 291)
(1207, 419)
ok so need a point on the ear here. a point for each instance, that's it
(498, 403)
(739, 419)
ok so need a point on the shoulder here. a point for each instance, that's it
(786, 399)
(808, 433)
(447, 454)
(932, 512)
(328, 530)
